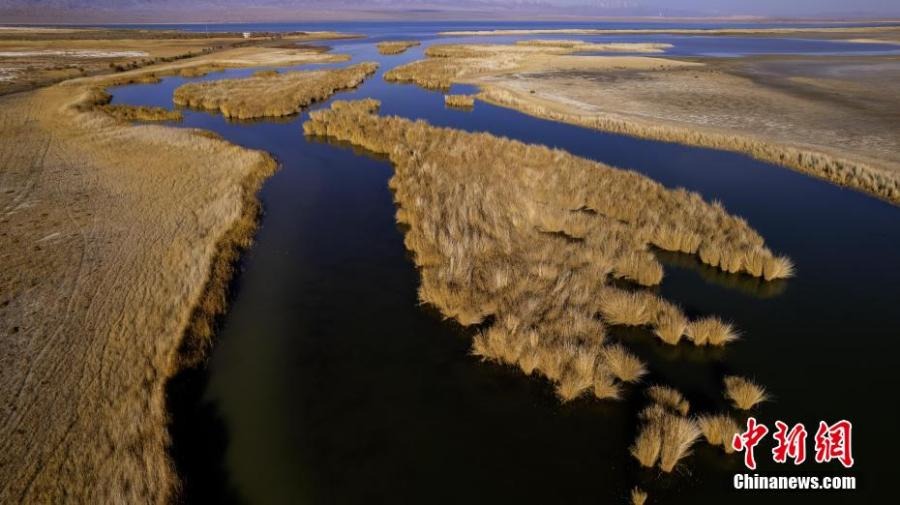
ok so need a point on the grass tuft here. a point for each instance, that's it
(638, 496)
(678, 435)
(605, 385)
(719, 430)
(670, 326)
(744, 393)
(626, 308)
(710, 331)
(459, 101)
(648, 444)
(669, 398)
(390, 47)
(622, 364)
(779, 267)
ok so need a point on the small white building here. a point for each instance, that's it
(246, 35)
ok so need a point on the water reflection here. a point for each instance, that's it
(745, 284)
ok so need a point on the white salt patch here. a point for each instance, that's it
(75, 53)
(8, 74)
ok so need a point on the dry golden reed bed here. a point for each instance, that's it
(525, 240)
(117, 244)
(390, 47)
(271, 93)
(447, 63)
(460, 101)
(499, 70)
(140, 113)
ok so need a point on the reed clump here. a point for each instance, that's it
(270, 93)
(719, 430)
(669, 324)
(744, 393)
(500, 235)
(140, 113)
(666, 434)
(622, 364)
(710, 331)
(459, 101)
(390, 47)
(669, 398)
(638, 496)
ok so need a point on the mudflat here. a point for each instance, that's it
(117, 242)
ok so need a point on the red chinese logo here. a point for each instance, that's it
(791, 444)
(748, 440)
(833, 442)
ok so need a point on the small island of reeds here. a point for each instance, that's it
(270, 93)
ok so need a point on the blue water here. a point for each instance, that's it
(330, 384)
(685, 45)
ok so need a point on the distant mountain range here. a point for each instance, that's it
(174, 11)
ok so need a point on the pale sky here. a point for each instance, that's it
(173, 10)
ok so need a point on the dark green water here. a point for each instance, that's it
(330, 384)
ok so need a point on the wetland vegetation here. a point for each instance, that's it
(271, 93)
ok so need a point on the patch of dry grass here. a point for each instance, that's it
(669, 398)
(719, 430)
(710, 331)
(140, 113)
(271, 94)
(669, 324)
(390, 47)
(459, 101)
(499, 232)
(664, 438)
(648, 444)
(638, 496)
(744, 393)
(625, 366)
(447, 63)
(678, 435)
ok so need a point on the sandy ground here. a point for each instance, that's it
(114, 241)
(35, 57)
